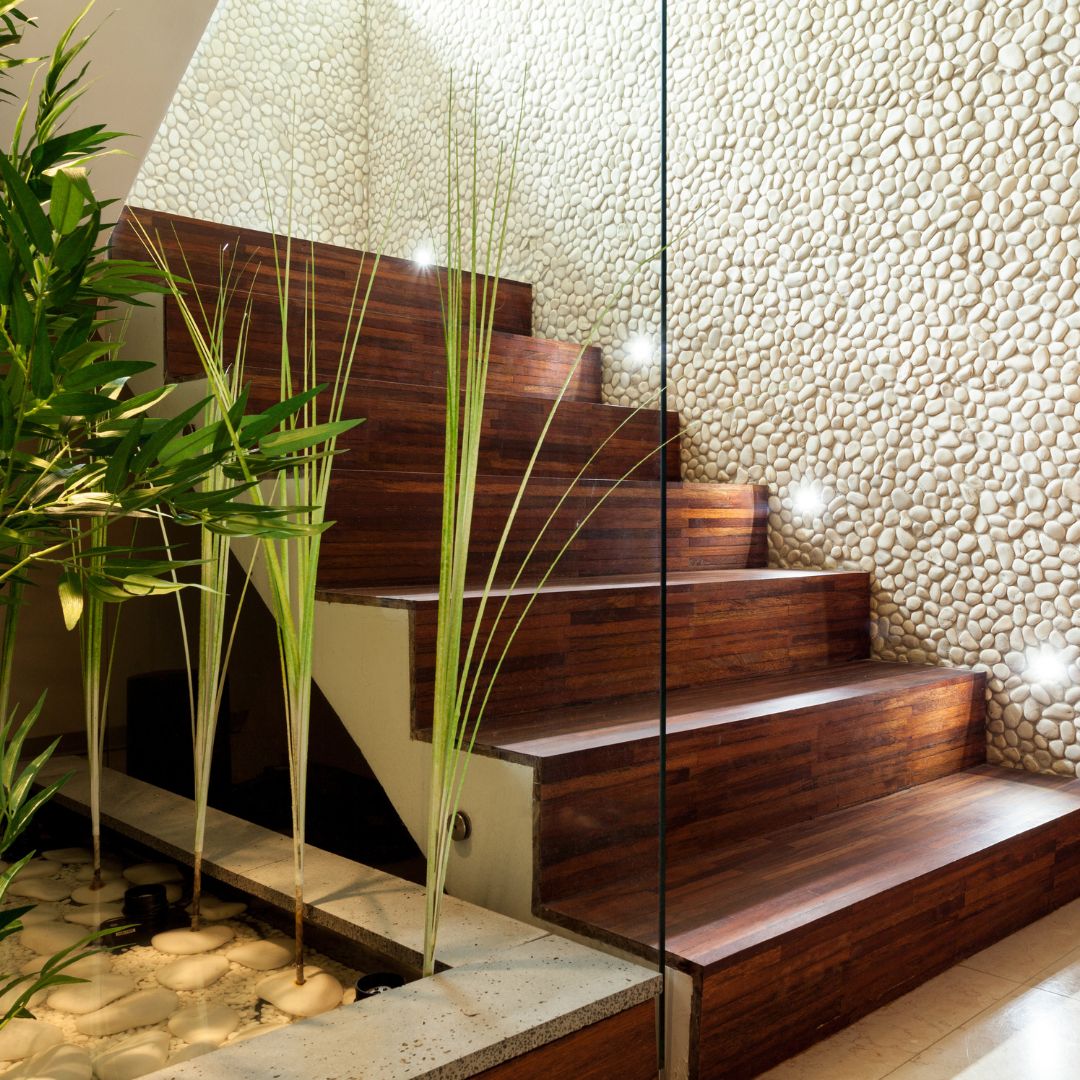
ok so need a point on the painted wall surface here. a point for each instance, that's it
(140, 50)
(138, 54)
(874, 285)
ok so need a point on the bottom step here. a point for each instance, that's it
(795, 934)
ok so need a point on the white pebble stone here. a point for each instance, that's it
(69, 855)
(37, 868)
(64, 1062)
(193, 972)
(188, 942)
(214, 909)
(47, 939)
(319, 993)
(190, 1053)
(136, 1010)
(88, 997)
(40, 888)
(86, 967)
(204, 1023)
(92, 915)
(261, 955)
(109, 893)
(134, 1057)
(41, 913)
(20, 1038)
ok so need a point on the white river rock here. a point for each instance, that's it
(86, 967)
(92, 915)
(136, 1010)
(90, 996)
(193, 972)
(134, 1057)
(64, 1062)
(20, 1038)
(204, 1023)
(109, 893)
(188, 942)
(261, 955)
(214, 910)
(319, 993)
(40, 888)
(69, 855)
(47, 939)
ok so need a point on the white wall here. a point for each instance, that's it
(138, 54)
(874, 286)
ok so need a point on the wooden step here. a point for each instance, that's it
(388, 526)
(793, 935)
(595, 639)
(403, 431)
(402, 338)
(744, 758)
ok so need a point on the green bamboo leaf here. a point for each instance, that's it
(68, 200)
(289, 442)
(117, 473)
(27, 206)
(71, 599)
(141, 402)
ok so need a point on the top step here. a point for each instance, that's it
(402, 338)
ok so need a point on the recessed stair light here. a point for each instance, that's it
(1046, 665)
(639, 350)
(807, 501)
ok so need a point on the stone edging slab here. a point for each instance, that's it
(508, 987)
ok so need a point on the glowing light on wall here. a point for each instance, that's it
(807, 501)
(1046, 665)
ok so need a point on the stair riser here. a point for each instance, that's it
(388, 527)
(598, 809)
(197, 249)
(402, 338)
(393, 347)
(404, 431)
(766, 1006)
(582, 646)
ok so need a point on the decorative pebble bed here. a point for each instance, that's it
(147, 1006)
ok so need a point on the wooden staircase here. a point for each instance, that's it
(834, 837)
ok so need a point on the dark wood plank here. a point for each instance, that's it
(195, 248)
(743, 759)
(388, 527)
(395, 345)
(622, 1046)
(767, 1005)
(594, 639)
(404, 424)
(402, 335)
(795, 934)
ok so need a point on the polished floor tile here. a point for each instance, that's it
(1031, 1035)
(1022, 955)
(875, 1046)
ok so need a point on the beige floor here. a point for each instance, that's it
(1011, 1012)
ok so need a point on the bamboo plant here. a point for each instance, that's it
(307, 438)
(467, 667)
(212, 647)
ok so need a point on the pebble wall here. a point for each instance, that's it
(874, 290)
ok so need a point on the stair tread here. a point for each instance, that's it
(746, 895)
(422, 594)
(551, 734)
